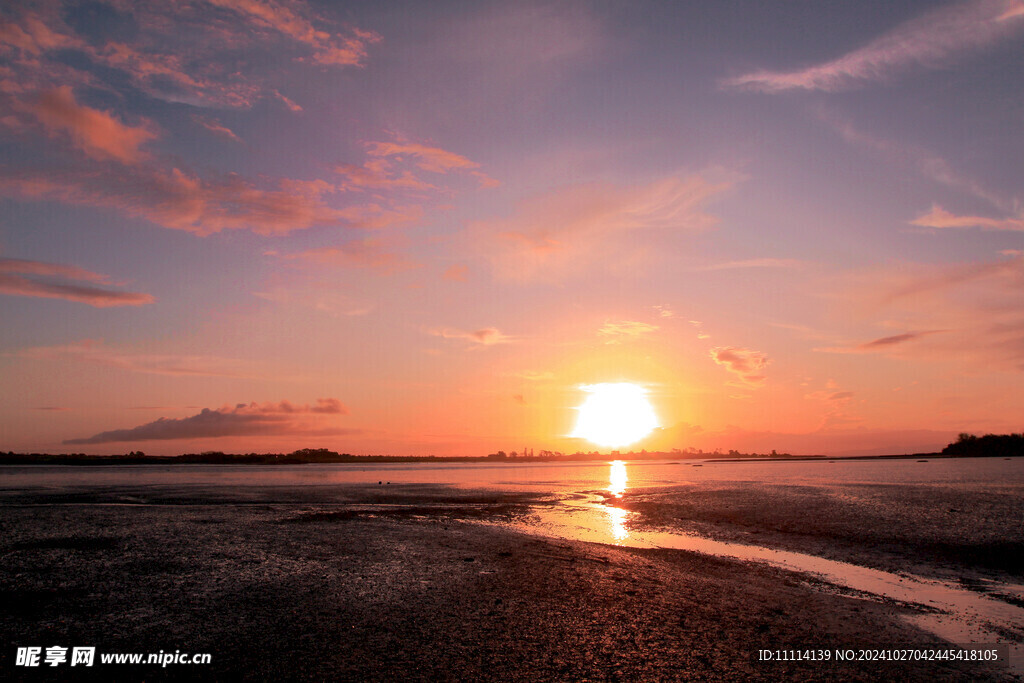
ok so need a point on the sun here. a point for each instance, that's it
(615, 414)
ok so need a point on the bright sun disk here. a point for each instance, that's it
(615, 414)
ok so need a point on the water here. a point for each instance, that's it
(543, 477)
(956, 614)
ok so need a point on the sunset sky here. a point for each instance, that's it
(419, 228)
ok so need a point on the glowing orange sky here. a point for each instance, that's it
(418, 228)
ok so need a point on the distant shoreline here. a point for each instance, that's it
(271, 459)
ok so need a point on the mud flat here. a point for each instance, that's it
(407, 583)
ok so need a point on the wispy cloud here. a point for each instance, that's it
(925, 162)
(970, 315)
(90, 351)
(746, 364)
(940, 218)
(57, 281)
(183, 201)
(579, 227)
(242, 420)
(929, 41)
(886, 342)
(487, 336)
(216, 127)
(625, 330)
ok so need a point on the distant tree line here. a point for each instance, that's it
(1005, 445)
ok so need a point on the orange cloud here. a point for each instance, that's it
(625, 330)
(746, 364)
(35, 278)
(97, 133)
(242, 420)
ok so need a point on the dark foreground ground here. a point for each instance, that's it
(296, 588)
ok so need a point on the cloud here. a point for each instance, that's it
(328, 49)
(835, 405)
(929, 41)
(287, 102)
(179, 200)
(940, 218)
(97, 133)
(242, 420)
(625, 330)
(534, 376)
(199, 53)
(970, 315)
(885, 342)
(57, 281)
(746, 364)
(430, 159)
(576, 228)
(216, 128)
(487, 336)
(152, 364)
(927, 163)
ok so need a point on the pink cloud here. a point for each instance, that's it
(748, 365)
(329, 49)
(287, 102)
(57, 281)
(216, 128)
(928, 41)
(487, 336)
(181, 201)
(940, 218)
(376, 177)
(186, 51)
(97, 133)
(242, 420)
(33, 36)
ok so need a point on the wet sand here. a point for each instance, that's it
(963, 533)
(406, 583)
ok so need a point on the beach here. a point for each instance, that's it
(411, 582)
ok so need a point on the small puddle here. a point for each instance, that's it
(954, 614)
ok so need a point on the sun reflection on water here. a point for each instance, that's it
(617, 486)
(618, 516)
(618, 479)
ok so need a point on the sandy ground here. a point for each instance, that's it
(408, 583)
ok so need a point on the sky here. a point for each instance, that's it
(424, 228)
